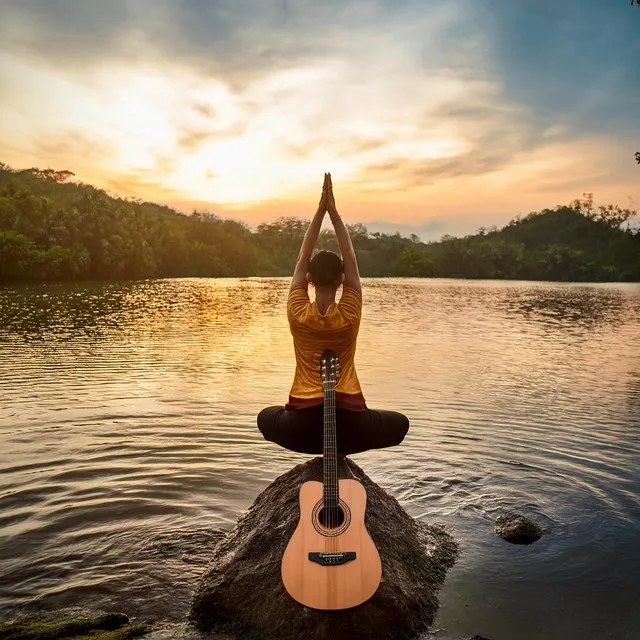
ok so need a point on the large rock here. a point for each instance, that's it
(241, 592)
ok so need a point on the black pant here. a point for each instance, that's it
(301, 430)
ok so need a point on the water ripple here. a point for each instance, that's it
(127, 417)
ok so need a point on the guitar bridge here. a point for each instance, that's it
(332, 558)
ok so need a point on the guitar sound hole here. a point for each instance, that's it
(331, 517)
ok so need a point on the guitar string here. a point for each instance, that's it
(335, 452)
(334, 478)
(330, 488)
(331, 479)
(331, 458)
(326, 447)
(335, 449)
(331, 462)
(328, 514)
(327, 461)
(331, 435)
(332, 419)
(334, 434)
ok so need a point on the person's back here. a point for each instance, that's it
(315, 327)
(313, 332)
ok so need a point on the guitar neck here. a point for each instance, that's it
(330, 456)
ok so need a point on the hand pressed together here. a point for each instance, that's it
(327, 199)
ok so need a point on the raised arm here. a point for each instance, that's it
(310, 238)
(351, 273)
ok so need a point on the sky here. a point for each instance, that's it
(433, 116)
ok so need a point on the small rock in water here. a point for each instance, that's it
(515, 528)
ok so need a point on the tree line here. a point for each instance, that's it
(52, 228)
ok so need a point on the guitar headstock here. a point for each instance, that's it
(329, 366)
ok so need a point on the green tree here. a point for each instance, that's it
(53, 228)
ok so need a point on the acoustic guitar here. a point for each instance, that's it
(331, 561)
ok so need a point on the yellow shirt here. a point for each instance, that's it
(312, 333)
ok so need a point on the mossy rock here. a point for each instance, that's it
(517, 529)
(53, 625)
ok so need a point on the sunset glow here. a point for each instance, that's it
(431, 115)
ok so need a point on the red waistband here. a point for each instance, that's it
(350, 401)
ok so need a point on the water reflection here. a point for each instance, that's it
(127, 417)
(633, 397)
(574, 307)
(96, 309)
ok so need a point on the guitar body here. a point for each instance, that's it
(345, 570)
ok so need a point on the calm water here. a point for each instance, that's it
(127, 425)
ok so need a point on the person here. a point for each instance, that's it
(325, 324)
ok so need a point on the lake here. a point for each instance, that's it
(129, 439)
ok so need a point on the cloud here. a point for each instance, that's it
(137, 184)
(576, 57)
(206, 110)
(70, 143)
(68, 30)
(575, 61)
(191, 140)
(412, 172)
(426, 231)
(566, 183)
(342, 145)
(235, 40)
(495, 134)
(247, 102)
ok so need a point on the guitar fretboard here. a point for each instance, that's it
(330, 458)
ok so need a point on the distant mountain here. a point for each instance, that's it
(52, 228)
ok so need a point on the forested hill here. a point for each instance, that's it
(54, 229)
